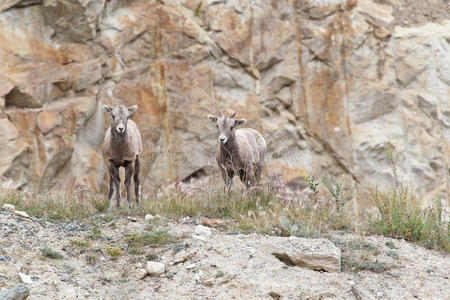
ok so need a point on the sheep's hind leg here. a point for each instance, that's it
(137, 182)
(111, 187)
(129, 170)
(246, 178)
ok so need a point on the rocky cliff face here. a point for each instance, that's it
(327, 82)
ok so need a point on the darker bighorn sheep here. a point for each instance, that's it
(240, 151)
(121, 147)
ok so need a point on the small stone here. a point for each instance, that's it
(132, 219)
(149, 217)
(25, 278)
(9, 207)
(17, 293)
(190, 267)
(274, 295)
(154, 268)
(21, 213)
(211, 222)
(202, 232)
(208, 282)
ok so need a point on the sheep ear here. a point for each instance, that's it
(132, 109)
(238, 122)
(212, 118)
(233, 115)
(107, 109)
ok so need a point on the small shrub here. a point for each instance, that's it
(48, 252)
(340, 190)
(114, 251)
(152, 256)
(390, 245)
(135, 251)
(179, 246)
(95, 234)
(91, 259)
(152, 238)
(80, 244)
(349, 263)
(311, 181)
(101, 204)
(220, 274)
(401, 217)
(392, 254)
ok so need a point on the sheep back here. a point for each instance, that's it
(252, 146)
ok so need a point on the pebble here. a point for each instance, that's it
(149, 217)
(202, 231)
(21, 213)
(154, 268)
(9, 207)
(25, 278)
(191, 266)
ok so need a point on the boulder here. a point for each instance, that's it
(17, 293)
(315, 254)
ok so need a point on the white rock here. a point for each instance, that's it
(202, 232)
(21, 213)
(25, 278)
(154, 268)
(9, 207)
(191, 266)
(149, 217)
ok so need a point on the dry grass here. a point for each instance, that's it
(269, 210)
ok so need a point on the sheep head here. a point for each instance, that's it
(119, 116)
(226, 126)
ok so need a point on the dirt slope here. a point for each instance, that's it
(225, 265)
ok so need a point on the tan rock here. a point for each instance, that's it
(21, 213)
(315, 254)
(327, 83)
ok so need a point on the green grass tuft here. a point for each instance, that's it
(48, 252)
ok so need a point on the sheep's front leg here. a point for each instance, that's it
(227, 175)
(115, 178)
(129, 171)
(137, 182)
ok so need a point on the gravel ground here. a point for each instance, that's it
(222, 265)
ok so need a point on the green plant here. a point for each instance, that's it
(101, 204)
(94, 233)
(401, 217)
(390, 245)
(392, 254)
(311, 181)
(113, 251)
(48, 252)
(80, 244)
(340, 190)
(151, 238)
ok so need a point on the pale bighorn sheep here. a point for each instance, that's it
(121, 147)
(240, 151)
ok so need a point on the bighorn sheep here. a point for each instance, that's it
(240, 151)
(121, 147)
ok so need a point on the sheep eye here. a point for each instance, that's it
(231, 128)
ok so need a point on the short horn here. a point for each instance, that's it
(233, 115)
(220, 114)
